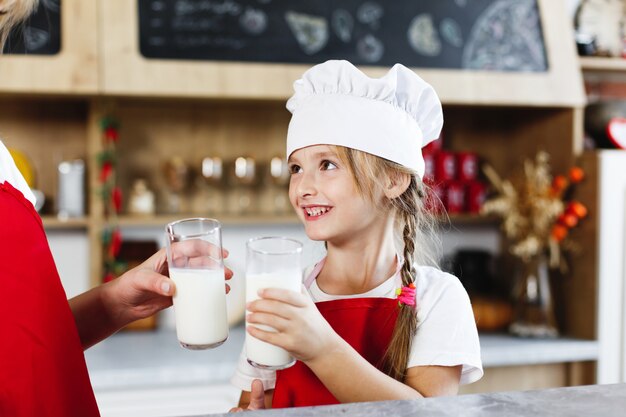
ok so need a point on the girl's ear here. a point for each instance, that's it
(397, 183)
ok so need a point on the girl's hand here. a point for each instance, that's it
(144, 290)
(300, 328)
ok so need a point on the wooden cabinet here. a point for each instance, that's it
(74, 70)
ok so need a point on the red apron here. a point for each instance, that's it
(365, 323)
(42, 366)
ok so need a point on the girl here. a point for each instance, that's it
(372, 322)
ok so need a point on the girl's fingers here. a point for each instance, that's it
(275, 322)
(286, 296)
(272, 338)
(227, 288)
(277, 308)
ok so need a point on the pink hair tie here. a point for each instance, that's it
(406, 295)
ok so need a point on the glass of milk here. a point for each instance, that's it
(194, 256)
(272, 262)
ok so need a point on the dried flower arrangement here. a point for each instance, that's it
(536, 212)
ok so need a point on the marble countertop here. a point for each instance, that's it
(154, 359)
(593, 400)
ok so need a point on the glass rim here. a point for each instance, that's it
(298, 249)
(217, 225)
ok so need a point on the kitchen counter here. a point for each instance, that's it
(593, 400)
(154, 359)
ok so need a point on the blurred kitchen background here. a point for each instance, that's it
(126, 115)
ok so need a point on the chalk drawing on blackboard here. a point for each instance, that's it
(423, 37)
(461, 3)
(370, 13)
(157, 41)
(156, 23)
(451, 32)
(253, 21)
(370, 48)
(35, 38)
(311, 32)
(505, 38)
(158, 6)
(195, 24)
(52, 5)
(224, 7)
(342, 24)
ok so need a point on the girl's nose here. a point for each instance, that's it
(306, 185)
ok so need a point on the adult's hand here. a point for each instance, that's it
(257, 399)
(147, 289)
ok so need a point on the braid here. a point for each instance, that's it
(397, 355)
(415, 223)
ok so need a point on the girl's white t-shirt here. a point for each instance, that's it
(446, 331)
(9, 173)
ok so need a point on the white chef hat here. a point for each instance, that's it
(392, 117)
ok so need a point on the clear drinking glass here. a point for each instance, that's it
(272, 262)
(194, 256)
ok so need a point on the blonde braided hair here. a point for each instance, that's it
(413, 224)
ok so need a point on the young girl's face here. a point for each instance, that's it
(323, 193)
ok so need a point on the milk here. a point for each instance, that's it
(261, 354)
(200, 307)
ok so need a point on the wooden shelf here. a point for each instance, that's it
(471, 219)
(53, 222)
(598, 64)
(269, 219)
(163, 219)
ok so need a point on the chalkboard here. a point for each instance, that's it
(40, 34)
(496, 35)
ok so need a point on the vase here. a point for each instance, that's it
(533, 314)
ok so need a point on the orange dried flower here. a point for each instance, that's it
(568, 220)
(576, 174)
(578, 209)
(559, 183)
(559, 232)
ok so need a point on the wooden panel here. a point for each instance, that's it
(503, 137)
(576, 292)
(48, 132)
(126, 72)
(98, 110)
(530, 377)
(73, 71)
(153, 132)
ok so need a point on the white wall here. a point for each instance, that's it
(70, 250)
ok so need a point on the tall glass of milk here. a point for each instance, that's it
(194, 256)
(272, 262)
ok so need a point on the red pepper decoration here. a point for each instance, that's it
(106, 171)
(116, 197)
(116, 243)
(111, 134)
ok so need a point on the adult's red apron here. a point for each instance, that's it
(365, 323)
(42, 365)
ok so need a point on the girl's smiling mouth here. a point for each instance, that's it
(315, 212)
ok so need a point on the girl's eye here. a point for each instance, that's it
(295, 169)
(327, 165)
